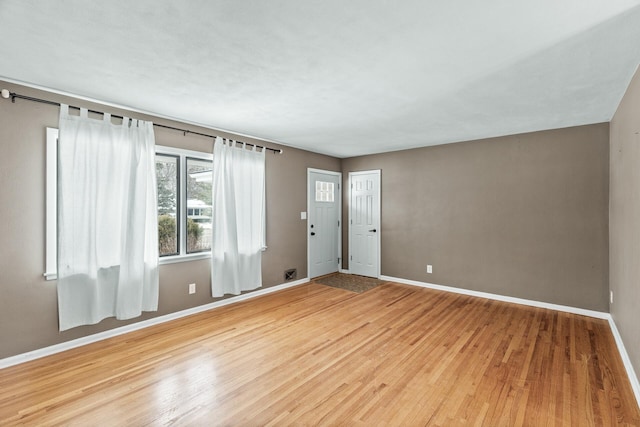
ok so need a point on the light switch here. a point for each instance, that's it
(303, 215)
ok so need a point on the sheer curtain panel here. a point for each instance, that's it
(107, 219)
(238, 218)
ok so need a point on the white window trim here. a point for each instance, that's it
(51, 238)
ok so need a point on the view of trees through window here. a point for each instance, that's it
(198, 205)
(167, 178)
(171, 211)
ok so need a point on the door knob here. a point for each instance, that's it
(313, 234)
(372, 231)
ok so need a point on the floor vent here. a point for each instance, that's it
(290, 274)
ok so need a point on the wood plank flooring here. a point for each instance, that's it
(316, 355)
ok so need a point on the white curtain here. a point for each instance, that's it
(107, 219)
(238, 218)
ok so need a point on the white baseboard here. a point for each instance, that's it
(498, 297)
(631, 373)
(343, 271)
(57, 348)
(633, 378)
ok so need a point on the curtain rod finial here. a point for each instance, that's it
(5, 93)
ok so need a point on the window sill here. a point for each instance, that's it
(183, 258)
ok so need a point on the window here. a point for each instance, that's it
(324, 191)
(198, 178)
(167, 172)
(184, 204)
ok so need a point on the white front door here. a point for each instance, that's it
(364, 226)
(323, 223)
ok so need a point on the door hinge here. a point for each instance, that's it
(338, 223)
(351, 257)
(338, 186)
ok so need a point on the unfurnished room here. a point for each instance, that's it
(367, 213)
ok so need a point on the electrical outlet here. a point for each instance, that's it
(192, 288)
(611, 297)
(429, 269)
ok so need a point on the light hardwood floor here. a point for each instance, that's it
(315, 355)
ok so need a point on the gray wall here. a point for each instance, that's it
(523, 215)
(28, 303)
(624, 217)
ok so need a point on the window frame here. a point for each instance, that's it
(178, 202)
(51, 187)
(182, 155)
(51, 204)
(186, 204)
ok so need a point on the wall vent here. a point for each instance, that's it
(290, 274)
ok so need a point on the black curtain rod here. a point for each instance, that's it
(14, 95)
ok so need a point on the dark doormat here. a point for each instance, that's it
(349, 282)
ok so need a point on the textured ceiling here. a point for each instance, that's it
(341, 77)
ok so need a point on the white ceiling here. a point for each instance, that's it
(341, 77)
